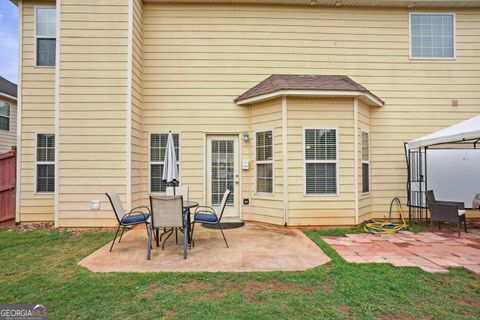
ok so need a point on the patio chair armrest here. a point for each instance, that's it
(139, 207)
(205, 209)
(459, 205)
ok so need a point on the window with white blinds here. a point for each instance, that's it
(45, 163)
(158, 144)
(365, 162)
(320, 161)
(432, 35)
(264, 161)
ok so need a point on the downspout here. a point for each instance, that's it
(285, 161)
(355, 156)
(19, 111)
(56, 200)
(129, 105)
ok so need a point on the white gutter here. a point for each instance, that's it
(7, 95)
(371, 99)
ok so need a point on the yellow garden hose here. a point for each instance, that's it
(387, 226)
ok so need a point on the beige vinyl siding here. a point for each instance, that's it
(174, 101)
(9, 138)
(201, 56)
(138, 144)
(268, 116)
(93, 97)
(320, 113)
(38, 116)
(364, 199)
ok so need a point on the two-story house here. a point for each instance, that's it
(300, 106)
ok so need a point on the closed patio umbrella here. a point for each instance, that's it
(170, 168)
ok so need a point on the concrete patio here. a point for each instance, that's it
(431, 251)
(253, 248)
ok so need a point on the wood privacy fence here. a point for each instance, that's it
(7, 185)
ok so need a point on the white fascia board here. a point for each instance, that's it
(8, 96)
(332, 93)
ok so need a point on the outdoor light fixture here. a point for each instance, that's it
(245, 136)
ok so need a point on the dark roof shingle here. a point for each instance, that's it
(278, 82)
(8, 88)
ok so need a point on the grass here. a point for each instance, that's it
(41, 267)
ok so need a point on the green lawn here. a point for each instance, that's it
(41, 267)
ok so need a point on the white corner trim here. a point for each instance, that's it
(129, 104)
(371, 99)
(19, 111)
(56, 200)
(355, 155)
(285, 160)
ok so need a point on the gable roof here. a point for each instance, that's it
(288, 84)
(8, 88)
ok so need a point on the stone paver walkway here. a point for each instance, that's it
(430, 251)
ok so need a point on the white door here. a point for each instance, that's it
(222, 174)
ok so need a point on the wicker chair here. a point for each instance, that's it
(446, 211)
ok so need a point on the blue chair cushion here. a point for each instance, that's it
(205, 217)
(135, 218)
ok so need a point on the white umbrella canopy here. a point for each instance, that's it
(463, 131)
(170, 168)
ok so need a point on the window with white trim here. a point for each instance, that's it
(432, 35)
(158, 144)
(45, 163)
(320, 161)
(45, 36)
(264, 161)
(365, 162)
(4, 116)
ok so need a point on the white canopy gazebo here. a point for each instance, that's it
(463, 135)
(464, 132)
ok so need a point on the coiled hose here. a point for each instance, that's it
(387, 226)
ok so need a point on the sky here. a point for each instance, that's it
(8, 41)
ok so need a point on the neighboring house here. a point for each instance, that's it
(8, 115)
(320, 142)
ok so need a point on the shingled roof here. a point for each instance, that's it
(281, 82)
(8, 88)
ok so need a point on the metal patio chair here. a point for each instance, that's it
(126, 219)
(178, 191)
(167, 212)
(207, 215)
(446, 211)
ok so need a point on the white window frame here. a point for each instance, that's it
(7, 117)
(366, 161)
(35, 9)
(35, 178)
(150, 162)
(337, 164)
(410, 48)
(272, 162)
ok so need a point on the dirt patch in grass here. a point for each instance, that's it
(168, 314)
(194, 285)
(398, 316)
(327, 286)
